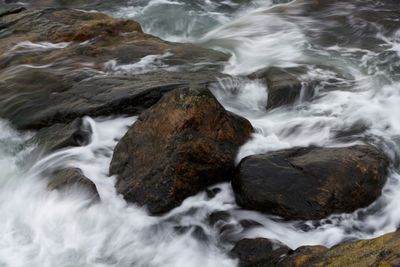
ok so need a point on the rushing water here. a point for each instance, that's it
(351, 54)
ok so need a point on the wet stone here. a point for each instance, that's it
(305, 183)
(72, 179)
(259, 252)
(284, 85)
(177, 148)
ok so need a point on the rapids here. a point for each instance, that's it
(351, 53)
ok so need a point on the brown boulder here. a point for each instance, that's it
(64, 25)
(311, 183)
(178, 147)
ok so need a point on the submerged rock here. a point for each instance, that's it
(94, 65)
(311, 183)
(72, 179)
(259, 252)
(178, 147)
(284, 85)
(59, 136)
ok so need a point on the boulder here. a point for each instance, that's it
(259, 252)
(45, 99)
(89, 67)
(311, 183)
(284, 85)
(62, 25)
(72, 179)
(178, 147)
(381, 251)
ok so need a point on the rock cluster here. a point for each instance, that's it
(58, 65)
(42, 84)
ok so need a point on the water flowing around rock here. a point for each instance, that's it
(290, 147)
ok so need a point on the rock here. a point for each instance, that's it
(302, 256)
(64, 25)
(10, 11)
(229, 228)
(284, 86)
(381, 251)
(72, 179)
(352, 132)
(178, 147)
(306, 183)
(60, 136)
(219, 217)
(41, 106)
(224, 226)
(259, 252)
(80, 4)
(42, 84)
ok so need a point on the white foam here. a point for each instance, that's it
(27, 46)
(277, 42)
(144, 65)
(42, 228)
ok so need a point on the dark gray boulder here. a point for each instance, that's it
(311, 183)
(259, 252)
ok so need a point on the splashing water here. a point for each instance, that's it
(56, 229)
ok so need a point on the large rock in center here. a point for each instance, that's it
(184, 143)
(311, 183)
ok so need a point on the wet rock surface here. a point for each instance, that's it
(82, 4)
(259, 252)
(381, 251)
(284, 85)
(311, 183)
(178, 147)
(60, 136)
(72, 179)
(88, 68)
